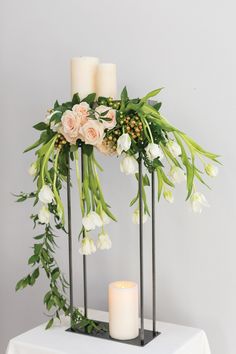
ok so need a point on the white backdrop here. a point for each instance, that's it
(189, 48)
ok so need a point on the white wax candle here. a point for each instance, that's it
(123, 310)
(83, 75)
(106, 80)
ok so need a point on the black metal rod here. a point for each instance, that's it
(141, 249)
(84, 257)
(153, 256)
(70, 237)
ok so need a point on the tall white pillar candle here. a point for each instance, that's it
(123, 310)
(106, 80)
(83, 75)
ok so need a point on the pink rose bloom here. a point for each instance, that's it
(70, 127)
(92, 132)
(82, 112)
(111, 114)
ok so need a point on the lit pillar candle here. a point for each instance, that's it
(106, 80)
(83, 75)
(123, 310)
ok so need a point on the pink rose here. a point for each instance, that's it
(111, 114)
(82, 112)
(92, 132)
(70, 126)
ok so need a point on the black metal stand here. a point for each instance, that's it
(145, 336)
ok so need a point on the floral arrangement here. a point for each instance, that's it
(126, 128)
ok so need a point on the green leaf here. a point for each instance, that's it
(90, 98)
(55, 273)
(160, 183)
(40, 126)
(33, 259)
(50, 323)
(75, 99)
(157, 106)
(151, 94)
(35, 273)
(190, 169)
(19, 285)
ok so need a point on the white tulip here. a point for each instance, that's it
(123, 143)
(168, 195)
(32, 169)
(135, 217)
(91, 220)
(44, 215)
(153, 151)
(174, 148)
(104, 241)
(177, 174)
(211, 170)
(46, 195)
(129, 165)
(105, 218)
(87, 246)
(198, 200)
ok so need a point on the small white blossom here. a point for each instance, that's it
(104, 241)
(168, 195)
(87, 246)
(32, 169)
(153, 151)
(91, 220)
(211, 170)
(105, 218)
(44, 215)
(198, 200)
(55, 126)
(129, 165)
(135, 217)
(174, 148)
(46, 195)
(123, 143)
(177, 174)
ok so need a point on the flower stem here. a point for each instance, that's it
(76, 155)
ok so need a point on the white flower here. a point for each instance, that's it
(44, 215)
(55, 126)
(129, 165)
(104, 241)
(177, 174)
(105, 218)
(168, 195)
(153, 151)
(174, 148)
(123, 143)
(211, 170)
(87, 246)
(91, 220)
(32, 169)
(46, 195)
(135, 217)
(198, 200)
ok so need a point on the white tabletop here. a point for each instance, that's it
(173, 339)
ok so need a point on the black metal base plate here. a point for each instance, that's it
(104, 334)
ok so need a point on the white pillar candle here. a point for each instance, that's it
(123, 310)
(106, 80)
(83, 75)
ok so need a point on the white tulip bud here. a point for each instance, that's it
(46, 195)
(129, 165)
(123, 143)
(211, 170)
(104, 241)
(135, 217)
(91, 220)
(32, 169)
(153, 151)
(87, 246)
(177, 174)
(174, 148)
(198, 200)
(168, 195)
(44, 215)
